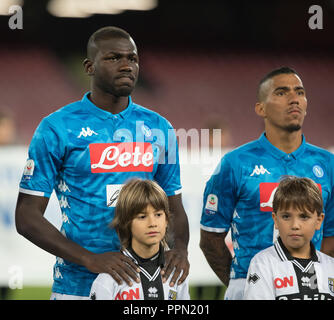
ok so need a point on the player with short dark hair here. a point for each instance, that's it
(86, 151)
(141, 221)
(238, 196)
(292, 268)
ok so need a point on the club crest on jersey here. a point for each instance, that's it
(121, 157)
(331, 284)
(318, 171)
(146, 130)
(172, 295)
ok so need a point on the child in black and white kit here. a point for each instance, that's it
(141, 220)
(292, 268)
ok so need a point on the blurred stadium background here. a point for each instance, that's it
(200, 63)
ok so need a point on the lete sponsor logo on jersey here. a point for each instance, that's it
(121, 157)
(267, 193)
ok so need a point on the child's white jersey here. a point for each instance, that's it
(151, 287)
(274, 274)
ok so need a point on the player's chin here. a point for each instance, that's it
(124, 91)
(292, 127)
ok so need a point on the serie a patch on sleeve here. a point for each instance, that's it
(211, 205)
(29, 169)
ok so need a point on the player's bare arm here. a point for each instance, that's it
(31, 224)
(327, 246)
(217, 254)
(178, 256)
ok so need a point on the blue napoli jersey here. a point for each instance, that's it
(86, 154)
(239, 195)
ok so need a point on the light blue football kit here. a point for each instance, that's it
(86, 154)
(239, 195)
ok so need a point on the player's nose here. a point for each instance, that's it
(295, 225)
(125, 66)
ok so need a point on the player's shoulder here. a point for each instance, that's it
(104, 278)
(146, 114)
(249, 149)
(325, 259)
(318, 151)
(266, 255)
(58, 117)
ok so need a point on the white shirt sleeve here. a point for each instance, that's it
(259, 282)
(183, 290)
(103, 288)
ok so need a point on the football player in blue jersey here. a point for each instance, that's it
(85, 152)
(238, 196)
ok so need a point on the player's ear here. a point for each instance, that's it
(260, 109)
(274, 216)
(89, 67)
(320, 218)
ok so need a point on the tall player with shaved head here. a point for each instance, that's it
(86, 151)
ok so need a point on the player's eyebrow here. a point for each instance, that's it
(285, 88)
(282, 88)
(118, 53)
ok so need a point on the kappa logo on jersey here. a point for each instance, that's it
(128, 295)
(121, 157)
(267, 193)
(259, 171)
(86, 132)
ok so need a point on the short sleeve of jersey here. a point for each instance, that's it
(219, 198)
(259, 281)
(328, 227)
(45, 159)
(168, 173)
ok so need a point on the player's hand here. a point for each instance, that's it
(116, 264)
(178, 259)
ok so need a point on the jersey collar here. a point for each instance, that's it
(284, 253)
(159, 256)
(277, 153)
(91, 107)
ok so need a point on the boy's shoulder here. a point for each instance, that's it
(104, 278)
(264, 255)
(325, 258)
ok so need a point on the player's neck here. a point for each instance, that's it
(145, 251)
(108, 102)
(287, 142)
(301, 253)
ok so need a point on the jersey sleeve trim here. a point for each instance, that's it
(210, 229)
(33, 192)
